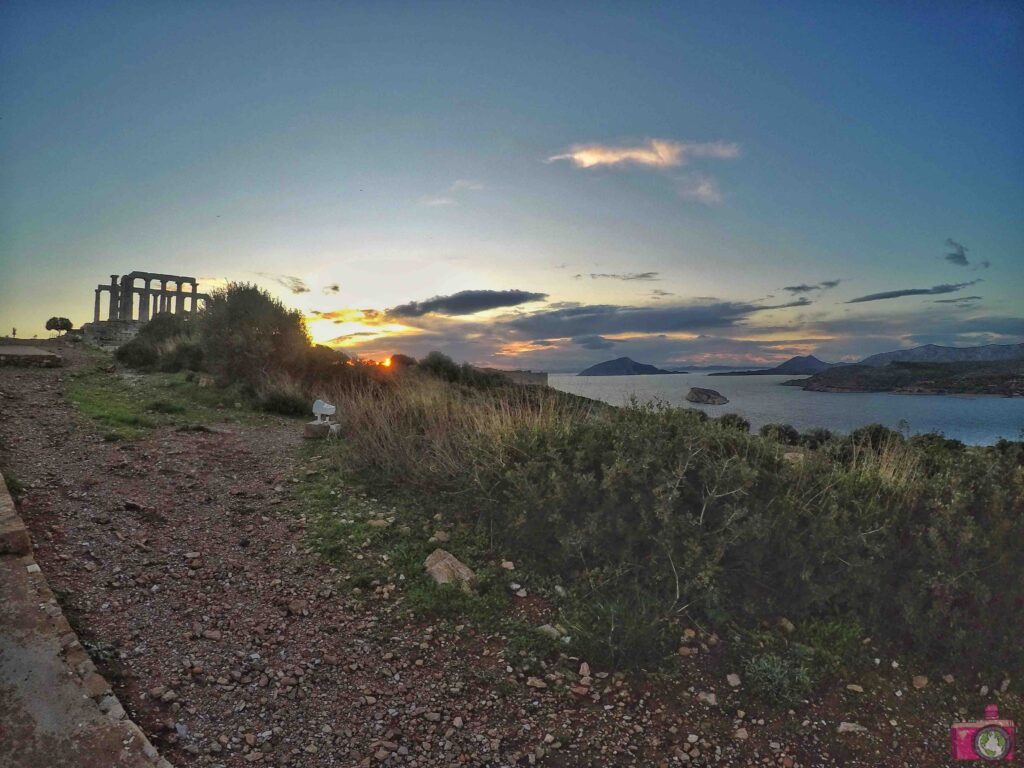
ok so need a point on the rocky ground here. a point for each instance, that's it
(182, 560)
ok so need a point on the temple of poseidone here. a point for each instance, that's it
(132, 304)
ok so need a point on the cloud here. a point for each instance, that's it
(657, 294)
(700, 187)
(935, 289)
(294, 284)
(610, 319)
(465, 303)
(958, 300)
(332, 288)
(627, 276)
(958, 255)
(593, 342)
(653, 153)
(824, 285)
(454, 193)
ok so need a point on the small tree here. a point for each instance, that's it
(246, 333)
(59, 324)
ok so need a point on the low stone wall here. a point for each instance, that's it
(56, 711)
(11, 354)
(110, 334)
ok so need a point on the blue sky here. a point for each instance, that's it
(586, 180)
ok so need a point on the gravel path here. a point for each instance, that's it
(181, 561)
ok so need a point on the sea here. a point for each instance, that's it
(973, 419)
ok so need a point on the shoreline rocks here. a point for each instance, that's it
(704, 396)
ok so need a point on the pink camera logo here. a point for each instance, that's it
(989, 739)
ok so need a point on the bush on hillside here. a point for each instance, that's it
(701, 519)
(780, 433)
(734, 421)
(165, 342)
(137, 353)
(247, 334)
(443, 367)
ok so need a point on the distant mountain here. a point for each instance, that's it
(932, 353)
(795, 366)
(987, 377)
(623, 366)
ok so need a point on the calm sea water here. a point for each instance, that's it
(762, 400)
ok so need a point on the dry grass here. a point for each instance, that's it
(430, 432)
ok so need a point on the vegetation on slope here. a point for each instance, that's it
(1004, 377)
(649, 519)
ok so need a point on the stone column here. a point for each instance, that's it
(192, 300)
(96, 308)
(144, 302)
(179, 298)
(127, 299)
(163, 295)
(115, 298)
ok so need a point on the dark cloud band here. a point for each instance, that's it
(933, 291)
(465, 303)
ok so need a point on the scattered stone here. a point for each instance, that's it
(378, 522)
(536, 682)
(855, 688)
(920, 681)
(948, 679)
(444, 568)
(508, 565)
(733, 679)
(708, 698)
(441, 537)
(741, 734)
(845, 727)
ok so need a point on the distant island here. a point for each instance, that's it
(795, 366)
(999, 377)
(623, 366)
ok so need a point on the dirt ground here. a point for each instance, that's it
(180, 559)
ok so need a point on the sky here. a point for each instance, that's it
(529, 185)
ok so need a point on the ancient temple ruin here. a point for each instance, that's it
(136, 298)
(179, 299)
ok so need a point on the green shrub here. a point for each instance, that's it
(815, 438)
(780, 433)
(734, 421)
(182, 355)
(284, 395)
(443, 367)
(166, 326)
(622, 629)
(247, 334)
(138, 353)
(778, 679)
(670, 512)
